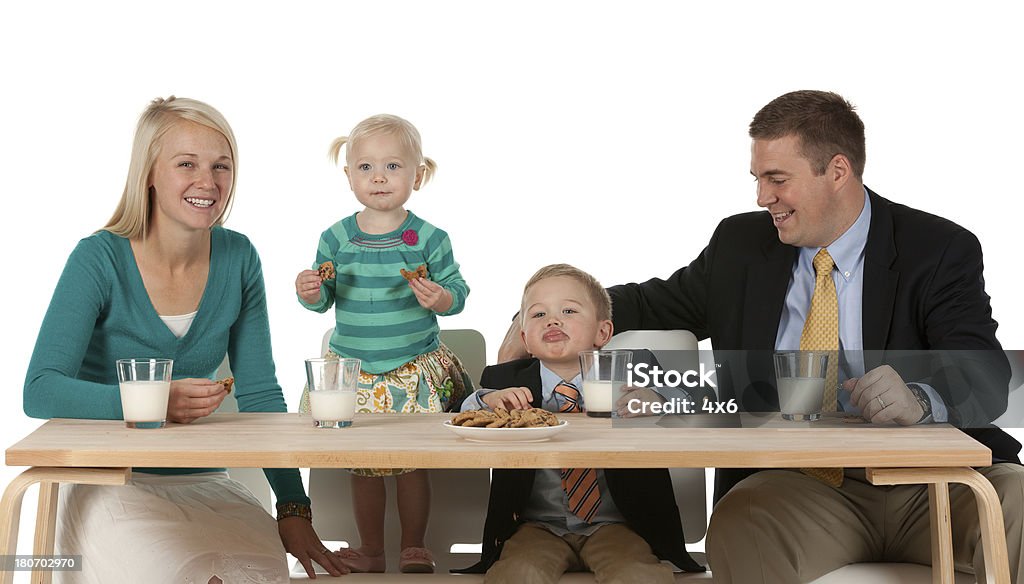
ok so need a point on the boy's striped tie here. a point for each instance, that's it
(580, 484)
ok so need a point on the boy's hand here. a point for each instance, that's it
(431, 295)
(513, 398)
(307, 286)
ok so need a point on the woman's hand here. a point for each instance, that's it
(431, 295)
(301, 541)
(192, 399)
(307, 286)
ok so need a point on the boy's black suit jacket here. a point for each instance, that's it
(643, 495)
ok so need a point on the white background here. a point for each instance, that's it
(610, 135)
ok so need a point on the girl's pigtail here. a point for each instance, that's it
(429, 170)
(334, 152)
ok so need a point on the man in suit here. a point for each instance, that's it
(889, 278)
(536, 526)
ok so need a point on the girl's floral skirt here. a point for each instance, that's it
(431, 383)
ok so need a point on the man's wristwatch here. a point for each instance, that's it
(922, 399)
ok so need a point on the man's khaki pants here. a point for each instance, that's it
(782, 527)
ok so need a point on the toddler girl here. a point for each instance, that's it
(392, 274)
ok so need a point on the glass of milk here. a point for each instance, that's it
(604, 374)
(800, 376)
(332, 391)
(145, 387)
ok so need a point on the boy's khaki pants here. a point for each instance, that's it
(614, 553)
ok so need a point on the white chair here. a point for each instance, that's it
(886, 573)
(676, 350)
(1014, 415)
(252, 478)
(469, 345)
(458, 496)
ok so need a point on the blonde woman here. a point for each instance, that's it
(163, 278)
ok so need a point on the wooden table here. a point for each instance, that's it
(103, 452)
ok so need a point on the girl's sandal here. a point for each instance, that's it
(359, 562)
(416, 560)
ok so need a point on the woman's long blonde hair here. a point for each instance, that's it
(131, 218)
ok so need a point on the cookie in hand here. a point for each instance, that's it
(227, 382)
(326, 271)
(419, 272)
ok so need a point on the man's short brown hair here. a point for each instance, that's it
(595, 291)
(825, 123)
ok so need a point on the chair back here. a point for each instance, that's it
(469, 345)
(1013, 416)
(675, 349)
(253, 478)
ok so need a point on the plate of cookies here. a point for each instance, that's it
(501, 425)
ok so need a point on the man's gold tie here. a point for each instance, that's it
(821, 333)
(580, 484)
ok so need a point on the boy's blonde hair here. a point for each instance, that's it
(402, 129)
(598, 295)
(131, 217)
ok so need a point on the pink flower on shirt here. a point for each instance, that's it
(410, 237)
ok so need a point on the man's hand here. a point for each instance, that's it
(431, 295)
(642, 395)
(301, 541)
(884, 397)
(513, 398)
(191, 399)
(512, 346)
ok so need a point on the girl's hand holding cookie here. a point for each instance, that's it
(431, 295)
(307, 286)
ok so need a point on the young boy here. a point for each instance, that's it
(532, 533)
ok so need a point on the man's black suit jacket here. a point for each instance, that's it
(644, 496)
(923, 294)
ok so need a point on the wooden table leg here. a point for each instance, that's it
(46, 528)
(942, 535)
(993, 532)
(48, 477)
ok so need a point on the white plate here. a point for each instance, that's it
(507, 434)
